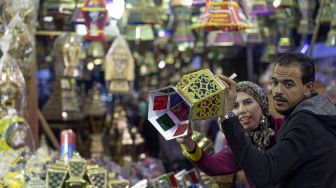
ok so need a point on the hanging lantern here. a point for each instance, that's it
(198, 3)
(331, 37)
(78, 17)
(262, 8)
(119, 66)
(326, 13)
(284, 3)
(307, 8)
(139, 32)
(220, 38)
(253, 34)
(225, 15)
(182, 35)
(285, 42)
(143, 12)
(270, 54)
(95, 14)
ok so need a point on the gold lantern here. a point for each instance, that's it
(119, 66)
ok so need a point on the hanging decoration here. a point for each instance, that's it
(284, 3)
(331, 36)
(198, 3)
(269, 34)
(262, 8)
(139, 32)
(143, 12)
(253, 34)
(182, 35)
(326, 12)
(307, 8)
(225, 15)
(95, 13)
(119, 66)
(285, 42)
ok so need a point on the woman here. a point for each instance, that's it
(251, 107)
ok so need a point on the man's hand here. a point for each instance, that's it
(230, 94)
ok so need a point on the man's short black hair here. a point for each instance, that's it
(305, 63)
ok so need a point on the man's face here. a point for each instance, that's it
(287, 88)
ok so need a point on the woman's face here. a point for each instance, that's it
(248, 110)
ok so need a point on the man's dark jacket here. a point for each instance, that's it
(305, 152)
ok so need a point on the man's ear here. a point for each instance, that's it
(308, 88)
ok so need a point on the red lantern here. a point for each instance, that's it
(225, 15)
(95, 12)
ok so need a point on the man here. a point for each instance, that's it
(305, 152)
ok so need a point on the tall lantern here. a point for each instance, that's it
(95, 12)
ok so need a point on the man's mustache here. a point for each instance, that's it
(279, 98)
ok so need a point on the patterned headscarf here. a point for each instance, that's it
(263, 136)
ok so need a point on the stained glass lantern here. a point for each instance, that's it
(197, 95)
(225, 15)
(95, 13)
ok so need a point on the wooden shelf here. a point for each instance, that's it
(51, 33)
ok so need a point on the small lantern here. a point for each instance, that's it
(119, 66)
(76, 168)
(198, 3)
(269, 54)
(326, 13)
(97, 176)
(284, 3)
(143, 12)
(331, 37)
(307, 8)
(95, 13)
(139, 32)
(253, 34)
(262, 8)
